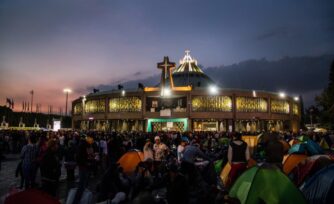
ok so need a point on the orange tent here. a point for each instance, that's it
(130, 160)
(290, 161)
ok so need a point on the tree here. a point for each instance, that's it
(302, 113)
(325, 101)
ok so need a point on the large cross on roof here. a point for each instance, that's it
(166, 67)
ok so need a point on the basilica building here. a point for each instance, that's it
(186, 99)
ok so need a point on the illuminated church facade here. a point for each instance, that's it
(185, 100)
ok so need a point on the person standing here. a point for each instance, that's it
(70, 164)
(180, 149)
(274, 151)
(29, 154)
(104, 152)
(82, 162)
(160, 149)
(238, 156)
(148, 151)
(50, 168)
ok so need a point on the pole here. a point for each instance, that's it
(66, 103)
(32, 99)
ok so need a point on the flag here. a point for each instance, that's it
(9, 102)
(12, 103)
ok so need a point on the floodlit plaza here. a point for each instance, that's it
(166, 102)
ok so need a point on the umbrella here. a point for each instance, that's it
(265, 184)
(31, 196)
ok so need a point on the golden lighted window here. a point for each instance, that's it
(78, 108)
(295, 109)
(280, 106)
(125, 104)
(95, 106)
(248, 104)
(211, 103)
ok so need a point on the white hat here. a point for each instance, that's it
(156, 138)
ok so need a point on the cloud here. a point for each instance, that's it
(276, 33)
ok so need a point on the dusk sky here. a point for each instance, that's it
(47, 45)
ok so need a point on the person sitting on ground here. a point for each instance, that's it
(238, 156)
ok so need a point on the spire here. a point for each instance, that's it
(188, 64)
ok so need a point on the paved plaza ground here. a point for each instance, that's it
(8, 179)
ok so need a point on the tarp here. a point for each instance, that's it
(265, 184)
(31, 196)
(130, 160)
(319, 189)
(309, 167)
(291, 161)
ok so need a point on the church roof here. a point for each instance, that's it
(188, 73)
(188, 64)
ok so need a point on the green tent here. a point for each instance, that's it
(303, 138)
(265, 184)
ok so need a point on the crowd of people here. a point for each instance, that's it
(176, 167)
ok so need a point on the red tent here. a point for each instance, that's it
(31, 196)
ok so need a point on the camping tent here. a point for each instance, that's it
(309, 167)
(298, 149)
(291, 161)
(31, 196)
(265, 184)
(319, 189)
(130, 160)
(224, 174)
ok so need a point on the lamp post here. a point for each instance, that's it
(66, 91)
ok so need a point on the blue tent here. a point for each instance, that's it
(297, 149)
(312, 147)
(319, 189)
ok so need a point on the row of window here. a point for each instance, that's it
(199, 104)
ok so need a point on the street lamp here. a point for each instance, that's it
(213, 89)
(296, 98)
(282, 95)
(66, 91)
